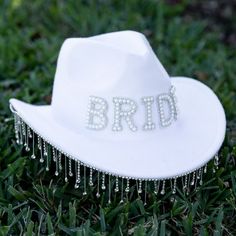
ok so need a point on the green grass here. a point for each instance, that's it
(187, 41)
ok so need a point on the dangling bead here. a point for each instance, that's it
(59, 161)
(39, 143)
(216, 161)
(29, 132)
(140, 186)
(199, 173)
(103, 182)
(200, 176)
(174, 186)
(16, 128)
(117, 185)
(47, 161)
(163, 187)
(205, 169)
(193, 179)
(57, 169)
(185, 185)
(188, 186)
(98, 188)
(24, 132)
(85, 192)
(122, 191)
(145, 194)
(40, 149)
(45, 151)
(156, 187)
(201, 181)
(33, 154)
(70, 168)
(76, 185)
(91, 177)
(127, 186)
(54, 154)
(41, 156)
(27, 140)
(77, 171)
(109, 189)
(20, 131)
(66, 178)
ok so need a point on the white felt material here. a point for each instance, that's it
(123, 64)
(118, 64)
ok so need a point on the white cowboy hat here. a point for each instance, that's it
(116, 110)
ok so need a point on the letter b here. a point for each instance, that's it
(96, 116)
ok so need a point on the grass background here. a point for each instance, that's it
(191, 38)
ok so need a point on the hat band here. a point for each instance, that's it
(125, 109)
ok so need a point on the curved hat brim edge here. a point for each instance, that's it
(16, 109)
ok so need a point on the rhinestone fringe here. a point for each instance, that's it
(91, 176)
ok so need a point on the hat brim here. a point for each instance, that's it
(183, 147)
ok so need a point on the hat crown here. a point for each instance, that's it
(113, 64)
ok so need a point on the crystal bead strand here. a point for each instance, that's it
(56, 162)
(216, 161)
(20, 131)
(156, 186)
(201, 178)
(70, 168)
(47, 157)
(103, 182)
(140, 186)
(174, 186)
(98, 187)
(40, 149)
(85, 192)
(122, 191)
(66, 178)
(205, 169)
(77, 171)
(33, 147)
(109, 189)
(145, 193)
(199, 173)
(185, 184)
(163, 187)
(137, 186)
(188, 184)
(59, 161)
(127, 186)
(215, 164)
(45, 151)
(91, 177)
(29, 132)
(198, 177)
(16, 128)
(27, 149)
(54, 154)
(117, 185)
(23, 133)
(193, 179)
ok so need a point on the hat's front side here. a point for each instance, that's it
(116, 110)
